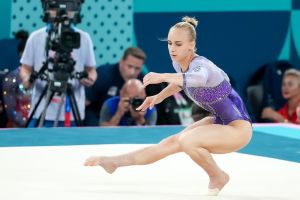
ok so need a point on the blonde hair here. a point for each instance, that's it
(190, 24)
(292, 72)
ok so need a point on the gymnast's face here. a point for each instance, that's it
(180, 44)
(290, 87)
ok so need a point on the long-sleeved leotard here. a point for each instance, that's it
(209, 87)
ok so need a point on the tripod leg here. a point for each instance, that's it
(36, 105)
(49, 96)
(74, 106)
(59, 110)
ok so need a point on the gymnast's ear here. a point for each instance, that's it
(192, 46)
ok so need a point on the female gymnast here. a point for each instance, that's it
(227, 130)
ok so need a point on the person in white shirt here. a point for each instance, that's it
(37, 52)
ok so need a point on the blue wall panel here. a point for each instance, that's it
(296, 4)
(5, 9)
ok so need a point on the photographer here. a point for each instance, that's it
(111, 78)
(60, 16)
(121, 110)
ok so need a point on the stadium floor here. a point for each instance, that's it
(47, 163)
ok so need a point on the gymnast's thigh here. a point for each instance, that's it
(218, 138)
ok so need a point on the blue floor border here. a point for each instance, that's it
(275, 142)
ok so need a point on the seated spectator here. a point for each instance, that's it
(111, 78)
(17, 100)
(3, 116)
(291, 93)
(121, 110)
(264, 88)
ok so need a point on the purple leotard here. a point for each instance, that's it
(209, 87)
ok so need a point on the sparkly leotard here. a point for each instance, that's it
(209, 87)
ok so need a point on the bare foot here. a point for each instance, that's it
(106, 162)
(216, 183)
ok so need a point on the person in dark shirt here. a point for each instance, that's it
(121, 110)
(111, 78)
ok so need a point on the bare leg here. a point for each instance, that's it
(203, 158)
(198, 141)
(201, 141)
(146, 155)
(142, 156)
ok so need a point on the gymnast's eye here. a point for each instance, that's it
(178, 44)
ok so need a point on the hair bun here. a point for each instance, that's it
(190, 20)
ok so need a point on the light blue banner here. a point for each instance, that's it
(210, 5)
(5, 10)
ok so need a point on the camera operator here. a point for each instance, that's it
(121, 110)
(37, 53)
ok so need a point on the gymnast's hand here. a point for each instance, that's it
(153, 78)
(149, 102)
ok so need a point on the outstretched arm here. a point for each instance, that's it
(169, 91)
(175, 83)
(155, 78)
(158, 98)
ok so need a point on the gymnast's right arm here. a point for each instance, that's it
(169, 91)
(158, 98)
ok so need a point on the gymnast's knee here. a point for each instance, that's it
(189, 147)
(185, 144)
(170, 142)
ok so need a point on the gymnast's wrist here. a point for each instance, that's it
(165, 77)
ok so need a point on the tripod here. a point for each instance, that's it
(62, 39)
(51, 88)
(57, 83)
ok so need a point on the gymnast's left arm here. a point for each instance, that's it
(155, 78)
(196, 77)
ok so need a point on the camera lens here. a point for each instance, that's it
(135, 103)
